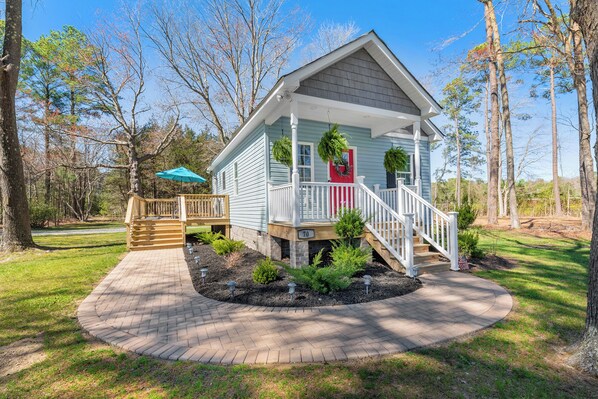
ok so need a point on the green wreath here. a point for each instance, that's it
(342, 162)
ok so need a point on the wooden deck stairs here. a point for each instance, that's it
(424, 259)
(157, 234)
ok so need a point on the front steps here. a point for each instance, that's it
(156, 234)
(425, 260)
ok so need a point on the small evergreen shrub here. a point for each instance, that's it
(265, 272)
(468, 244)
(226, 246)
(322, 279)
(208, 237)
(467, 215)
(40, 214)
(348, 258)
(350, 224)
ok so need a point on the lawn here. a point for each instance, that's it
(520, 357)
(84, 226)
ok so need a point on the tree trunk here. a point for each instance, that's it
(134, 181)
(47, 172)
(488, 140)
(502, 209)
(458, 178)
(585, 12)
(587, 177)
(16, 231)
(506, 115)
(494, 109)
(558, 210)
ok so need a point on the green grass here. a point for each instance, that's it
(39, 292)
(84, 226)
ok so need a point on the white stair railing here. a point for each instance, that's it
(437, 228)
(393, 231)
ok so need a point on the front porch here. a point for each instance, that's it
(400, 225)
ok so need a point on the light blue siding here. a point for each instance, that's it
(248, 207)
(370, 152)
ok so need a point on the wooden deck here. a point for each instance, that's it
(154, 223)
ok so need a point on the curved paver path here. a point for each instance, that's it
(148, 305)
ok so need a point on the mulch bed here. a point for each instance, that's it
(386, 283)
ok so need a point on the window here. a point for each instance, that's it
(236, 178)
(406, 174)
(305, 163)
(223, 181)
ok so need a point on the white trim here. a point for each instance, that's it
(351, 147)
(406, 135)
(236, 178)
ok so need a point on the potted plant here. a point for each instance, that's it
(395, 159)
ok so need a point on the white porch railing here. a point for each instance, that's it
(322, 201)
(394, 231)
(437, 228)
(280, 204)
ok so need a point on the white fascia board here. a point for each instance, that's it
(429, 127)
(250, 124)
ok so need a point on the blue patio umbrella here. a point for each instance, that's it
(181, 174)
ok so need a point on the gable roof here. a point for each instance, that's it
(290, 82)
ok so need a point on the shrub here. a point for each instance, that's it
(226, 246)
(208, 237)
(265, 272)
(468, 244)
(322, 279)
(351, 259)
(233, 259)
(40, 214)
(467, 215)
(350, 224)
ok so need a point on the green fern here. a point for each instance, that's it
(332, 145)
(282, 151)
(395, 159)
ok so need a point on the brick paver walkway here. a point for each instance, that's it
(148, 305)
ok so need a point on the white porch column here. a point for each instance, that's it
(296, 205)
(416, 155)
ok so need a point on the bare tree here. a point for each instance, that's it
(329, 37)
(118, 57)
(16, 231)
(225, 53)
(585, 12)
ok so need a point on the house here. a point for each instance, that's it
(378, 103)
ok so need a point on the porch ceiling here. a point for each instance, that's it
(379, 121)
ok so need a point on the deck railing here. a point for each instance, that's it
(280, 205)
(206, 206)
(322, 201)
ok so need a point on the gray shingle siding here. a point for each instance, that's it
(358, 79)
(247, 208)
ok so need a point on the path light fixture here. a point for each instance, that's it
(189, 245)
(190, 250)
(415, 271)
(204, 273)
(196, 259)
(292, 290)
(367, 280)
(231, 287)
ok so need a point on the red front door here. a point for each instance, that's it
(342, 172)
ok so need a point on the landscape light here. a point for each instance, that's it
(231, 287)
(292, 290)
(367, 280)
(196, 258)
(204, 273)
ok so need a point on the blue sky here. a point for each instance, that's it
(414, 30)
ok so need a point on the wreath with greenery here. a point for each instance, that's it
(346, 171)
(395, 159)
(282, 151)
(332, 145)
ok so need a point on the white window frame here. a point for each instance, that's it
(235, 178)
(311, 167)
(409, 173)
(223, 180)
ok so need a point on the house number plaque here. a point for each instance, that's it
(305, 234)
